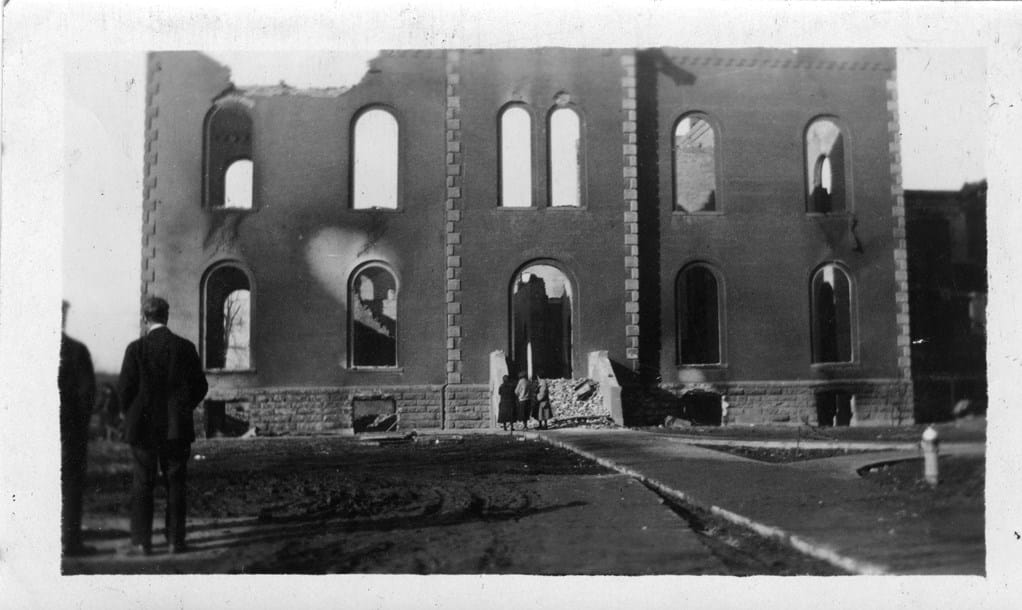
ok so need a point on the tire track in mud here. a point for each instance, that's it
(334, 549)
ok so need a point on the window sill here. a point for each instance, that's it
(542, 208)
(716, 365)
(375, 369)
(397, 210)
(247, 371)
(684, 214)
(218, 209)
(841, 214)
(834, 365)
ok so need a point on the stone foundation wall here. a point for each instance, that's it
(468, 406)
(285, 411)
(877, 402)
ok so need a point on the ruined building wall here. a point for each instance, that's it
(498, 241)
(455, 250)
(760, 238)
(301, 241)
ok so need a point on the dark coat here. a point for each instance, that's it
(508, 403)
(77, 383)
(161, 383)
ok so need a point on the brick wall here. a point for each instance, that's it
(285, 411)
(468, 406)
(877, 401)
(630, 196)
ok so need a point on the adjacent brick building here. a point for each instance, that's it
(948, 294)
(723, 221)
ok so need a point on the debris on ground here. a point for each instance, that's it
(676, 422)
(575, 398)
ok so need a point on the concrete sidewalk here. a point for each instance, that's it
(821, 507)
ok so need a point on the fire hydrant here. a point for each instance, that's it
(929, 445)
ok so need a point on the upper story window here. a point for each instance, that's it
(698, 306)
(375, 160)
(229, 168)
(227, 297)
(373, 317)
(831, 315)
(695, 164)
(565, 158)
(826, 179)
(515, 157)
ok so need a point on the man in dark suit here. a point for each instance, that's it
(76, 382)
(161, 383)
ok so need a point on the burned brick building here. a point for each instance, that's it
(723, 221)
(947, 258)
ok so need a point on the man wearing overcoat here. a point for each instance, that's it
(160, 385)
(76, 381)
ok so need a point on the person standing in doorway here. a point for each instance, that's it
(76, 381)
(533, 403)
(161, 383)
(508, 403)
(522, 396)
(543, 410)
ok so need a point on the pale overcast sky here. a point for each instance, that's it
(941, 100)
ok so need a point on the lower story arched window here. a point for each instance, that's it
(373, 317)
(831, 315)
(228, 319)
(698, 310)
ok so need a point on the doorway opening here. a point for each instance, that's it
(541, 304)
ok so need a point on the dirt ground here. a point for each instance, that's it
(478, 504)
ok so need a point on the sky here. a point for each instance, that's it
(941, 93)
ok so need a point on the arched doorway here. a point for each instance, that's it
(542, 298)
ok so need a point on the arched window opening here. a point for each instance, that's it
(541, 302)
(229, 168)
(373, 317)
(832, 315)
(695, 165)
(826, 157)
(238, 185)
(515, 157)
(698, 310)
(375, 160)
(228, 327)
(565, 158)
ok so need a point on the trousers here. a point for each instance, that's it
(72, 478)
(171, 459)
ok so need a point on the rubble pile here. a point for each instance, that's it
(576, 399)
